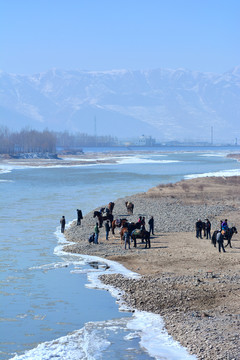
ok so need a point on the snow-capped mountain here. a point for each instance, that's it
(166, 104)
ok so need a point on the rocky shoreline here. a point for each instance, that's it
(185, 280)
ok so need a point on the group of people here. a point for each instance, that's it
(203, 228)
(93, 238)
(95, 235)
(142, 222)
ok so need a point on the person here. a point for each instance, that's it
(204, 228)
(63, 223)
(151, 225)
(225, 225)
(91, 238)
(96, 231)
(142, 228)
(140, 220)
(107, 228)
(208, 229)
(221, 221)
(126, 239)
(79, 216)
(199, 228)
(219, 238)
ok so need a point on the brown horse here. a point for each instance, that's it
(118, 223)
(110, 207)
(101, 218)
(129, 206)
(122, 231)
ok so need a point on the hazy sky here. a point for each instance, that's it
(37, 35)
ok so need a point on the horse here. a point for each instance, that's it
(142, 234)
(117, 223)
(129, 227)
(129, 206)
(228, 235)
(122, 231)
(110, 207)
(214, 238)
(101, 218)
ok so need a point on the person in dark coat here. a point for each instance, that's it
(107, 228)
(208, 229)
(219, 238)
(126, 239)
(199, 228)
(91, 238)
(63, 223)
(96, 231)
(79, 216)
(151, 225)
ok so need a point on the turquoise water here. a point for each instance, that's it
(43, 297)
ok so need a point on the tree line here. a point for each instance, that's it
(26, 141)
(34, 141)
(66, 140)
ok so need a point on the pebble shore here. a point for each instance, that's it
(200, 309)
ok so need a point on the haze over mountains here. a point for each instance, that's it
(166, 104)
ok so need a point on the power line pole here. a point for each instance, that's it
(95, 130)
(211, 135)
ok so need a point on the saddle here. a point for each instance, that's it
(136, 232)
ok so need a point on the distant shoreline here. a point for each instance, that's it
(90, 158)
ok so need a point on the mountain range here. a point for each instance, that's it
(163, 103)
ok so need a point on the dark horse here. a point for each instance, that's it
(228, 235)
(141, 234)
(101, 218)
(129, 206)
(214, 237)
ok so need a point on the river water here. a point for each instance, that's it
(50, 308)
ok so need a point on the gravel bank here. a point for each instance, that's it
(184, 279)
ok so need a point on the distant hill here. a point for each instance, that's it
(166, 104)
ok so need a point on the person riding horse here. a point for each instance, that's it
(227, 236)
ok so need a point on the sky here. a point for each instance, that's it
(98, 35)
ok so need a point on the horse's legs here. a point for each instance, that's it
(229, 242)
(148, 243)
